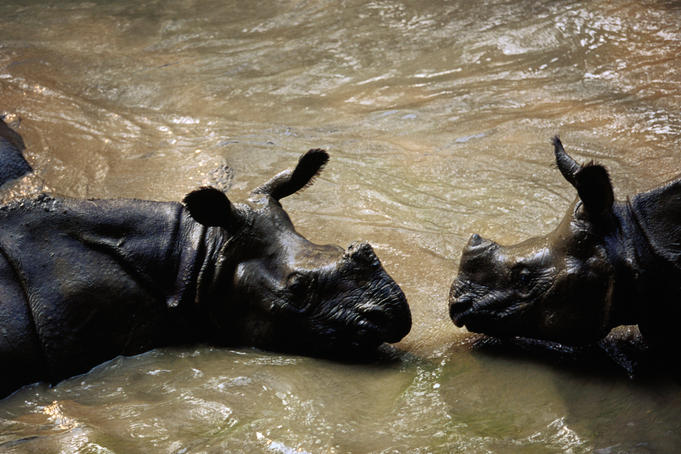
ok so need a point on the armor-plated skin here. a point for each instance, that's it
(607, 264)
(82, 281)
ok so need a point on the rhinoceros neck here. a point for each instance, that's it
(189, 254)
(220, 251)
(620, 246)
(208, 265)
(211, 300)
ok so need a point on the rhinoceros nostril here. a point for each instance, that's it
(457, 307)
(378, 317)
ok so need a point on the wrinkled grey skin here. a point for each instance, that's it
(608, 263)
(13, 165)
(82, 281)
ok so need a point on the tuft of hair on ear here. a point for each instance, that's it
(209, 206)
(309, 166)
(595, 189)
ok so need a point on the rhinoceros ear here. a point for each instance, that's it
(567, 166)
(591, 181)
(210, 206)
(293, 180)
(595, 189)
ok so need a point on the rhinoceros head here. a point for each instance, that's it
(276, 290)
(555, 287)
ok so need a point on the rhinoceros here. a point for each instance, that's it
(11, 154)
(82, 281)
(607, 263)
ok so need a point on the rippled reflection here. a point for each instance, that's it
(437, 116)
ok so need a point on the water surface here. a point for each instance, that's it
(438, 117)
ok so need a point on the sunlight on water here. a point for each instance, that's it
(438, 117)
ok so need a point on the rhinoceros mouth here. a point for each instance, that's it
(361, 337)
(366, 336)
(371, 329)
(488, 314)
(383, 317)
(459, 309)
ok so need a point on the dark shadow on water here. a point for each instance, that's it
(385, 355)
(621, 355)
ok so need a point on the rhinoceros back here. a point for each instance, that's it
(87, 280)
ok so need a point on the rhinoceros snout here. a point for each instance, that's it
(392, 324)
(385, 306)
(400, 324)
(361, 252)
(457, 308)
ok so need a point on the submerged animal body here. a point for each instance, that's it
(82, 281)
(607, 264)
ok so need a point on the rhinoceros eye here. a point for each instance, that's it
(522, 278)
(297, 283)
(301, 287)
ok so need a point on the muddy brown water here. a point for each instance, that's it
(438, 117)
